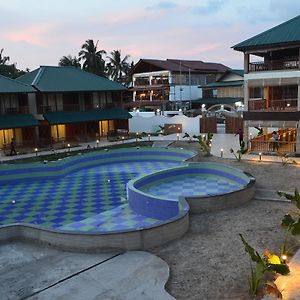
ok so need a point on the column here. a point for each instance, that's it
(246, 63)
(246, 95)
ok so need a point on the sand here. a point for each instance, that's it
(209, 261)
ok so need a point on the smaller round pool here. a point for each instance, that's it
(205, 186)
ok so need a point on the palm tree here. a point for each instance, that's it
(117, 67)
(68, 60)
(3, 59)
(92, 58)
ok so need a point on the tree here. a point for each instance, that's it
(3, 59)
(69, 61)
(92, 58)
(117, 67)
(8, 70)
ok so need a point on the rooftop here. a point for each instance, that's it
(282, 34)
(10, 86)
(68, 79)
(177, 65)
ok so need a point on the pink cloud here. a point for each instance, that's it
(33, 34)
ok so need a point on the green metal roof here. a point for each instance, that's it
(285, 33)
(67, 117)
(68, 79)
(224, 84)
(17, 121)
(8, 85)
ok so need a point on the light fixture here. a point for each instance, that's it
(259, 154)
(97, 142)
(149, 137)
(284, 258)
(69, 146)
(36, 151)
(222, 153)
(177, 136)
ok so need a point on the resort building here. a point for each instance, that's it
(74, 105)
(16, 108)
(227, 90)
(67, 103)
(272, 87)
(170, 84)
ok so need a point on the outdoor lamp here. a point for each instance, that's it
(97, 142)
(284, 258)
(36, 151)
(177, 136)
(222, 153)
(69, 146)
(149, 137)
(259, 154)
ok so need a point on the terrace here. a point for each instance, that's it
(283, 105)
(275, 65)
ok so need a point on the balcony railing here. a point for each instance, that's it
(76, 107)
(283, 105)
(290, 64)
(264, 143)
(15, 110)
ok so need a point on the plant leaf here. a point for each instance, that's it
(287, 220)
(296, 228)
(282, 269)
(253, 254)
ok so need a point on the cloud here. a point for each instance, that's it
(210, 7)
(34, 34)
(164, 5)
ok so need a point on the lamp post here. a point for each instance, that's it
(97, 143)
(259, 154)
(177, 135)
(69, 147)
(36, 151)
(222, 153)
(149, 137)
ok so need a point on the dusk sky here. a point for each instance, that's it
(35, 33)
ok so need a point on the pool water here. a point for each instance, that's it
(91, 199)
(191, 185)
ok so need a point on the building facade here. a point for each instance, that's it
(16, 120)
(170, 84)
(68, 105)
(272, 87)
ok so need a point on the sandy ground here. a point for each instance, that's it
(209, 262)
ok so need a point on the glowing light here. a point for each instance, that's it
(222, 152)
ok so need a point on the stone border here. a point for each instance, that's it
(143, 239)
(225, 201)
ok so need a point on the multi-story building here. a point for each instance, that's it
(228, 89)
(171, 83)
(64, 103)
(272, 86)
(16, 119)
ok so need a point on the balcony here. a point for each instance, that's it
(15, 110)
(282, 105)
(287, 64)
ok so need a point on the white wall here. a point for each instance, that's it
(187, 93)
(139, 123)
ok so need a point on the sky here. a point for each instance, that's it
(34, 33)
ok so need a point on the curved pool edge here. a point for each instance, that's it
(221, 202)
(143, 239)
(145, 203)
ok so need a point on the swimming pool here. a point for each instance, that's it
(84, 193)
(134, 198)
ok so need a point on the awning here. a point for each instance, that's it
(224, 100)
(17, 121)
(67, 117)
